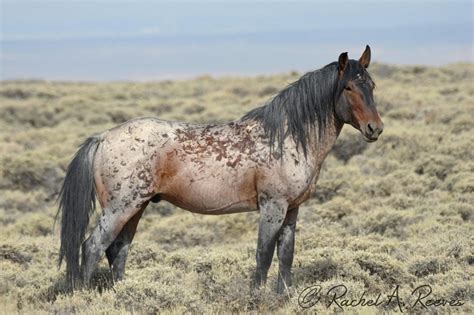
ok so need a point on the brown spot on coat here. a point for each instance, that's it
(235, 162)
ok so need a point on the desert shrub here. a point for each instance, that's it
(382, 266)
(161, 108)
(384, 106)
(141, 255)
(268, 91)
(185, 230)
(36, 115)
(16, 93)
(151, 292)
(436, 165)
(318, 270)
(13, 255)
(461, 183)
(402, 113)
(32, 224)
(347, 146)
(336, 209)
(390, 224)
(240, 91)
(121, 115)
(465, 210)
(429, 265)
(328, 188)
(383, 71)
(194, 109)
(23, 202)
(27, 173)
(162, 208)
(400, 201)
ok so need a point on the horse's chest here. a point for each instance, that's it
(300, 183)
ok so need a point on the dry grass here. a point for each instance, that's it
(399, 211)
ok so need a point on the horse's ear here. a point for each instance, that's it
(365, 58)
(343, 61)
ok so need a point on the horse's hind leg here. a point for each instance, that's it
(109, 226)
(118, 251)
(285, 250)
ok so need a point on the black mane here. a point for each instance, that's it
(301, 106)
(304, 105)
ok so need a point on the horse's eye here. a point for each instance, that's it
(348, 88)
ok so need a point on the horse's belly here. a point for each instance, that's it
(212, 196)
(212, 209)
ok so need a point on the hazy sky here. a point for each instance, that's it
(140, 40)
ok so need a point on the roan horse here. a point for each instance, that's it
(269, 160)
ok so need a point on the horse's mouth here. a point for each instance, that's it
(370, 139)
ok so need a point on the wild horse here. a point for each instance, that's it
(269, 160)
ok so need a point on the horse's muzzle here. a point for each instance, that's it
(372, 130)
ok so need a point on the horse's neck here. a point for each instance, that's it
(320, 149)
(333, 129)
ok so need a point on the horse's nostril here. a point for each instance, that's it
(370, 128)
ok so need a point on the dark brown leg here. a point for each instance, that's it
(285, 250)
(108, 229)
(272, 215)
(117, 252)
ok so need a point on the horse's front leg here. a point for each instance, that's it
(272, 215)
(285, 249)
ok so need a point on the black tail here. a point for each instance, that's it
(77, 202)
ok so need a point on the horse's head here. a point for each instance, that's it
(355, 100)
